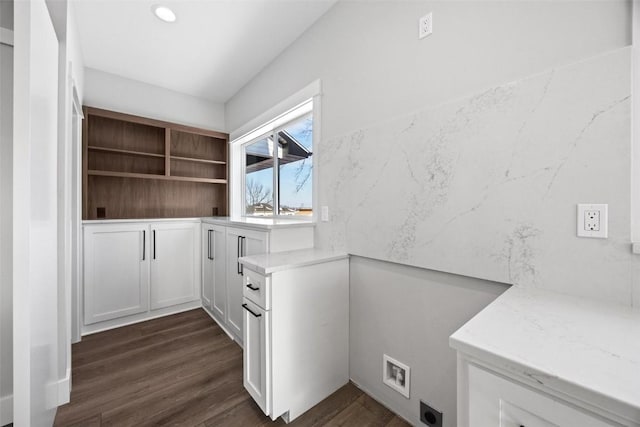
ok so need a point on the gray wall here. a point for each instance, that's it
(373, 67)
(408, 313)
(6, 236)
(491, 60)
(112, 92)
(6, 14)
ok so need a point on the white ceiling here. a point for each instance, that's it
(213, 49)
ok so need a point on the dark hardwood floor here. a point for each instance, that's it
(184, 370)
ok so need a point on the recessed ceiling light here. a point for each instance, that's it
(164, 13)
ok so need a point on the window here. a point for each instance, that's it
(278, 170)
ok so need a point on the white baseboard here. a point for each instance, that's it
(137, 318)
(64, 389)
(59, 391)
(6, 410)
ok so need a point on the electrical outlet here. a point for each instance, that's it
(592, 220)
(425, 25)
(429, 415)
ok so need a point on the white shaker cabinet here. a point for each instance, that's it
(256, 353)
(240, 242)
(296, 322)
(175, 263)
(214, 255)
(224, 241)
(135, 271)
(116, 271)
(537, 358)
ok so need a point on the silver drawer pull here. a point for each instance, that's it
(250, 311)
(252, 288)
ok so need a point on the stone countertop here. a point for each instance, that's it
(569, 344)
(259, 223)
(272, 262)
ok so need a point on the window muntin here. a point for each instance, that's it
(289, 171)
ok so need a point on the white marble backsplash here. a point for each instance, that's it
(487, 186)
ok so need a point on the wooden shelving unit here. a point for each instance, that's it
(134, 167)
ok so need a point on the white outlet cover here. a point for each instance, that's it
(588, 223)
(324, 216)
(425, 25)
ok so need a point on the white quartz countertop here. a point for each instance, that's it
(136, 220)
(272, 262)
(258, 222)
(248, 222)
(560, 341)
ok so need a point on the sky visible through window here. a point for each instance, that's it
(296, 184)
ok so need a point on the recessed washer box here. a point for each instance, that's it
(396, 375)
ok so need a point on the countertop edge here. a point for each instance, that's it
(224, 221)
(262, 269)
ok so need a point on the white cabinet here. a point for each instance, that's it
(240, 242)
(223, 242)
(116, 271)
(208, 266)
(535, 358)
(175, 264)
(296, 322)
(256, 352)
(497, 401)
(214, 287)
(139, 270)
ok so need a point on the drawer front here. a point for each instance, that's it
(257, 289)
(496, 401)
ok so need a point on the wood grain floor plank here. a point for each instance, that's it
(99, 352)
(183, 370)
(324, 411)
(396, 421)
(363, 412)
(104, 339)
(164, 400)
(146, 382)
(145, 358)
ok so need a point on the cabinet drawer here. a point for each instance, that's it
(256, 288)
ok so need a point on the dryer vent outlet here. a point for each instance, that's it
(430, 416)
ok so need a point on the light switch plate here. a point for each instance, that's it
(592, 220)
(324, 213)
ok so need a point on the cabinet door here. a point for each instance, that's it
(116, 271)
(256, 377)
(207, 265)
(239, 243)
(496, 401)
(219, 254)
(175, 263)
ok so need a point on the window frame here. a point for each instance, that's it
(269, 129)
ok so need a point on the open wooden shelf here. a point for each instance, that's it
(154, 176)
(131, 152)
(191, 159)
(185, 168)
